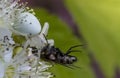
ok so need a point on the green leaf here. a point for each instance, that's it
(99, 23)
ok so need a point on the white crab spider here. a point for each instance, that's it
(37, 41)
(35, 37)
(28, 25)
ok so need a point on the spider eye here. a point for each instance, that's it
(27, 23)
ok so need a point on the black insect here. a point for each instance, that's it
(53, 54)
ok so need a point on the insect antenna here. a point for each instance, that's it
(75, 51)
(70, 49)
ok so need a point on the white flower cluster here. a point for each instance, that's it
(16, 60)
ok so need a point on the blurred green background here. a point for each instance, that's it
(99, 21)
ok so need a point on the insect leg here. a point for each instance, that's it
(70, 49)
(66, 66)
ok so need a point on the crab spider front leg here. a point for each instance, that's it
(45, 29)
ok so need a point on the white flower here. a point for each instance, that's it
(21, 63)
(8, 11)
(28, 66)
(6, 50)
